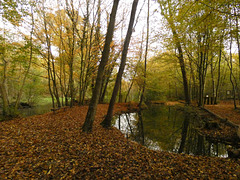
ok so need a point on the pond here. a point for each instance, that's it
(35, 110)
(168, 128)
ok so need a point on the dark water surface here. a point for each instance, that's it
(35, 110)
(168, 128)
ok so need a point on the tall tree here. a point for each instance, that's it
(230, 65)
(145, 59)
(11, 13)
(29, 64)
(52, 81)
(3, 82)
(87, 126)
(73, 15)
(108, 119)
(167, 11)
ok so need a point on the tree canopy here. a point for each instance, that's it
(179, 50)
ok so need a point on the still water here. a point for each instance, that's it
(35, 110)
(168, 128)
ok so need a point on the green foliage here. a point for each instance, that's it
(16, 56)
(163, 77)
(13, 10)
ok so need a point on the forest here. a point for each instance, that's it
(179, 50)
(103, 70)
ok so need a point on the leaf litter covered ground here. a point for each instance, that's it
(226, 132)
(226, 110)
(52, 146)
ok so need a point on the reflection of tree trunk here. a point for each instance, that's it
(119, 122)
(129, 124)
(209, 149)
(200, 145)
(184, 133)
(169, 112)
(141, 128)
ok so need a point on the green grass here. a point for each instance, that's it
(44, 100)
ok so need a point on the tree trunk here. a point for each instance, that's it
(231, 69)
(29, 65)
(108, 119)
(219, 71)
(83, 58)
(4, 97)
(87, 126)
(3, 83)
(183, 70)
(145, 59)
(135, 71)
(179, 48)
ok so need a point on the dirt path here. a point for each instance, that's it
(52, 146)
(226, 110)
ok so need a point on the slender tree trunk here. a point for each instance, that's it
(120, 92)
(219, 72)
(72, 39)
(83, 57)
(48, 58)
(129, 89)
(135, 71)
(29, 65)
(238, 45)
(107, 76)
(108, 119)
(145, 59)
(212, 78)
(179, 48)
(183, 70)
(4, 96)
(87, 126)
(3, 83)
(231, 68)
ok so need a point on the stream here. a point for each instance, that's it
(168, 128)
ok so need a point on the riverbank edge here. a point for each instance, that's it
(102, 154)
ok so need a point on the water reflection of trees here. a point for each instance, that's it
(168, 129)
